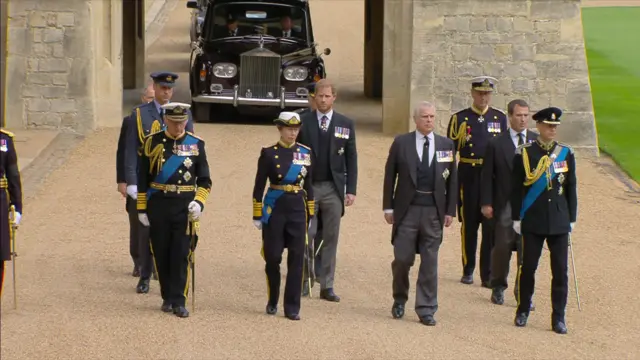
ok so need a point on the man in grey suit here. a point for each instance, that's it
(495, 191)
(332, 139)
(419, 199)
(143, 121)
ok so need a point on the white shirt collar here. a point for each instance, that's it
(420, 136)
(514, 134)
(329, 115)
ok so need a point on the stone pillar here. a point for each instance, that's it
(397, 59)
(534, 48)
(373, 47)
(133, 42)
(64, 66)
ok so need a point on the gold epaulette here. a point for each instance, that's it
(304, 146)
(519, 148)
(8, 133)
(566, 146)
(195, 136)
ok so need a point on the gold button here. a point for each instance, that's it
(470, 145)
(299, 176)
(179, 171)
(164, 140)
(472, 154)
(278, 166)
(163, 160)
(279, 175)
(276, 156)
(298, 149)
(296, 191)
(549, 200)
(275, 148)
(179, 181)
(473, 164)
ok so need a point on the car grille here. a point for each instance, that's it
(260, 74)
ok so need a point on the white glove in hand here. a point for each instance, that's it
(144, 220)
(16, 219)
(195, 210)
(132, 190)
(572, 225)
(257, 224)
(516, 227)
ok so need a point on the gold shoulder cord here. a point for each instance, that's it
(458, 133)
(140, 129)
(155, 156)
(541, 168)
(155, 127)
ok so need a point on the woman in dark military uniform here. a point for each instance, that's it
(10, 195)
(285, 212)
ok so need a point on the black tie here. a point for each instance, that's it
(425, 152)
(520, 139)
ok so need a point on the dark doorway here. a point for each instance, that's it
(373, 47)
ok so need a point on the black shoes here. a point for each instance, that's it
(271, 310)
(497, 296)
(181, 311)
(397, 310)
(559, 327)
(166, 306)
(428, 320)
(143, 286)
(467, 279)
(521, 319)
(329, 295)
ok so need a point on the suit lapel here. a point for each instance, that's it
(509, 148)
(411, 154)
(314, 131)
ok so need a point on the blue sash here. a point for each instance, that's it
(171, 165)
(538, 187)
(272, 195)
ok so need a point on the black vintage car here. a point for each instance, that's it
(253, 57)
(199, 9)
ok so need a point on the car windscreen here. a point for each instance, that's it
(247, 18)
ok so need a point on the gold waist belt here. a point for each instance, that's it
(471, 161)
(286, 188)
(4, 183)
(173, 188)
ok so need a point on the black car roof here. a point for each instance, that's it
(286, 2)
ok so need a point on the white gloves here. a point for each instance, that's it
(572, 225)
(516, 227)
(144, 220)
(16, 219)
(132, 190)
(195, 210)
(257, 224)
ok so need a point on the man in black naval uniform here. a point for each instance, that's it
(285, 212)
(10, 195)
(174, 184)
(144, 120)
(544, 205)
(471, 129)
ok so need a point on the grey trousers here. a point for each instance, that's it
(139, 245)
(328, 203)
(505, 240)
(419, 231)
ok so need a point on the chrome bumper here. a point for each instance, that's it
(236, 100)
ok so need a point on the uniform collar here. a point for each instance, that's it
(546, 146)
(478, 111)
(166, 133)
(284, 145)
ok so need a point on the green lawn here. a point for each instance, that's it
(612, 38)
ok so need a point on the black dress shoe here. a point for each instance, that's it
(143, 286)
(397, 310)
(497, 296)
(181, 311)
(292, 316)
(467, 279)
(521, 320)
(271, 310)
(428, 320)
(166, 306)
(135, 272)
(559, 327)
(329, 295)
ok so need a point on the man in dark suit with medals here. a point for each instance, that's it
(470, 129)
(495, 197)
(10, 195)
(332, 138)
(544, 205)
(147, 119)
(174, 184)
(284, 214)
(419, 200)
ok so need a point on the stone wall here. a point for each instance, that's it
(64, 67)
(534, 48)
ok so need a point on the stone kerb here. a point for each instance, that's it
(535, 49)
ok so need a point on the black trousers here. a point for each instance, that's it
(139, 244)
(531, 251)
(284, 230)
(170, 245)
(471, 219)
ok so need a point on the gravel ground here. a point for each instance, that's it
(77, 299)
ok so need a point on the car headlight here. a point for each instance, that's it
(225, 70)
(296, 73)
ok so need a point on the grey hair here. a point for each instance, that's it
(422, 105)
(144, 90)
